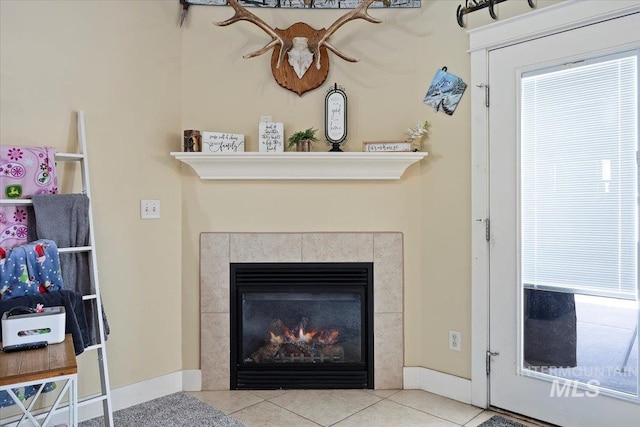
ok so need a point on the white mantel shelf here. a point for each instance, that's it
(301, 165)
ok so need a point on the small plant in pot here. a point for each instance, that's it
(302, 139)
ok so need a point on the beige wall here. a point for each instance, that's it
(120, 63)
(141, 80)
(430, 205)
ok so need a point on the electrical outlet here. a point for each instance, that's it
(149, 209)
(455, 339)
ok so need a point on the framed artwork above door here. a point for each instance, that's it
(309, 4)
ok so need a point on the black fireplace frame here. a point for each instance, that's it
(275, 277)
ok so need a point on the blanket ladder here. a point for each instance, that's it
(105, 395)
(94, 297)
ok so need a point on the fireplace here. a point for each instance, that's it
(219, 250)
(301, 325)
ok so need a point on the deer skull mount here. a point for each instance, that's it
(303, 46)
(300, 57)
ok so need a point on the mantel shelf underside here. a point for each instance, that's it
(300, 166)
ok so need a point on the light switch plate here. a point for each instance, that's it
(149, 209)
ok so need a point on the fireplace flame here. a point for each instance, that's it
(300, 336)
(286, 344)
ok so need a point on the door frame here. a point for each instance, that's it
(549, 20)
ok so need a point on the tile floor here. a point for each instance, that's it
(346, 408)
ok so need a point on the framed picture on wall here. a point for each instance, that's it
(339, 4)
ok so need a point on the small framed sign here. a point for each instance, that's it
(271, 137)
(221, 142)
(387, 146)
(335, 117)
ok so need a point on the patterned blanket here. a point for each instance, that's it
(24, 171)
(30, 269)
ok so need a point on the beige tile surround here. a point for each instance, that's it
(218, 250)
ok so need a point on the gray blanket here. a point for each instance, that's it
(64, 218)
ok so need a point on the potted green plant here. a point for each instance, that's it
(302, 139)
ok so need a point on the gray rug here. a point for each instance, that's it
(174, 410)
(500, 421)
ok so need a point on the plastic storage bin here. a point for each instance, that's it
(48, 325)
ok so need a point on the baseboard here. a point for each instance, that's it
(415, 378)
(447, 385)
(192, 380)
(134, 394)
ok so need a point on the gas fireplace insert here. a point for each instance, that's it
(301, 325)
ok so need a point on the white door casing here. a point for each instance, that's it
(508, 388)
(485, 42)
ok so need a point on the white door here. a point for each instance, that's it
(550, 316)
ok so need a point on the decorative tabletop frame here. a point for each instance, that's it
(335, 117)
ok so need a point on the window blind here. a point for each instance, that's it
(579, 208)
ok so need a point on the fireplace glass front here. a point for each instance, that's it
(301, 325)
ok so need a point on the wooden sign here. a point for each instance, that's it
(271, 137)
(221, 142)
(387, 146)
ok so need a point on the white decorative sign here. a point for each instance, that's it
(221, 142)
(387, 146)
(336, 116)
(271, 137)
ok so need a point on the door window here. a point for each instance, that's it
(579, 177)
(579, 220)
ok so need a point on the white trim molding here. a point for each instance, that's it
(134, 394)
(417, 378)
(542, 22)
(539, 23)
(192, 380)
(144, 391)
(302, 166)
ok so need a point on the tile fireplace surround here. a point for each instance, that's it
(218, 250)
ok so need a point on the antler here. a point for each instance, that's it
(243, 14)
(358, 13)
